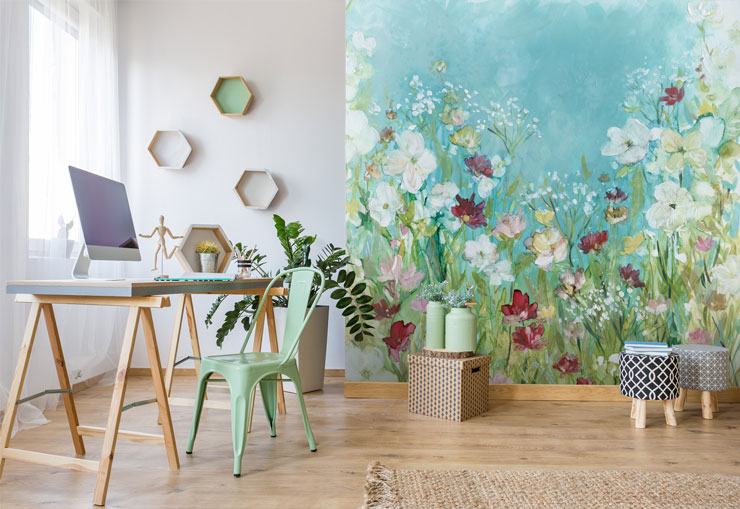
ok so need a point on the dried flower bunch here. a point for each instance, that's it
(459, 298)
(433, 292)
(206, 246)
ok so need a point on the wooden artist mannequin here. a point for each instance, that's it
(161, 230)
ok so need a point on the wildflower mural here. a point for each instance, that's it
(584, 182)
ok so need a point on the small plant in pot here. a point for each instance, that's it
(341, 285)
(461, 334)
(434, 293)
(208, 255)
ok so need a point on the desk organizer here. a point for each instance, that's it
(453, 389)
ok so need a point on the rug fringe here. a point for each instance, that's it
(379, 493)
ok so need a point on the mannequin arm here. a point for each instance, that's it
(169, 232)
(150, 235)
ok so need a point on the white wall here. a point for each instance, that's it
(292, 55)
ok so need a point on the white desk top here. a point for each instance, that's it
(132, 287)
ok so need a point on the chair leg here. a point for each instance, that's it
(715, 405)
(240, 409)
(670, 417)
(268, 390)
(633, 412)
(706, 404)
(641, 413)
(200, 393)
(681, 400)
(296, 378)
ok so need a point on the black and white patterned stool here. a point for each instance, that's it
(702, 368)
(647, 377)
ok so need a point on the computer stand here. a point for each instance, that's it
(82, 265)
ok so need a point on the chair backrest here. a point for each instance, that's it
(299, 292)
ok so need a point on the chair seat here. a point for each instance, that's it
(245, 358)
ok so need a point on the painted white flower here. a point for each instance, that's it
(498, 166)
(361, 137)
(674, 207)
(628, 144)
(361, 43)
(500, 273)
(727, 275)
(366, 364)
(702, 10)
(485, 187)
(481, 253)
(384, 204)
(683, 149)
(442, 195)
(412, 159)
(450, 222)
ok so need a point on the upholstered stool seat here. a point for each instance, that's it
(646, 377)
(702, 368)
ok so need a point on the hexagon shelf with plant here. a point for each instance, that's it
(256, 189)
(170, 149)
(232, 95)
(186, 252)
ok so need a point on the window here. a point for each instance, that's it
(53, 121)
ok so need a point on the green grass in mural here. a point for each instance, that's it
(232, 96)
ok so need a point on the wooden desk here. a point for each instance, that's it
(140, 296)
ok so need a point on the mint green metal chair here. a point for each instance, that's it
(244, 371)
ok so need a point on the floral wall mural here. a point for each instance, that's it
(576, 162)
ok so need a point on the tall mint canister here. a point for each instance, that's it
(435, 325)
(461, 333)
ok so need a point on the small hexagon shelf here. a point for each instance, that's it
(232, 96)
(170, 149)
(196, 233)
(256, 189)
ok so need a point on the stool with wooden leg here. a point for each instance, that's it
(645, 377)
(139, 307)
(703, 368)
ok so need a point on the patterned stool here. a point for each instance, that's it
(702, 368)
(645, 377)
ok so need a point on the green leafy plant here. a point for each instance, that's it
(434, 292)
(332, 262)
(458, 298)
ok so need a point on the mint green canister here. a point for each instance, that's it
(461, 334)
(435, 325)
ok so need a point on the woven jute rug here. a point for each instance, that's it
(386, 488)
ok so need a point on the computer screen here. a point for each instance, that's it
(105, 215)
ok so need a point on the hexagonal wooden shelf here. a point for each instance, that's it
(196, 233)
(232, 96)
(256, 189)
(170, 149)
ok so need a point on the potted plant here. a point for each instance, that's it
(434, 293)
(208, 255)
(460, 323)
(341, 285)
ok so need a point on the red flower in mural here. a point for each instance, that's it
(398, 340)
(469, 212)
(631, 277)
(673, 95)
(584, 381)
(594, 241)
(383, 310)
(529, 337)
(568, 363)
(519, 310)
(479, 165)
(616, 195)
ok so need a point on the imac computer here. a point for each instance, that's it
(105, 217)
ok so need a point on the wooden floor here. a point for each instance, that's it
(350, 433)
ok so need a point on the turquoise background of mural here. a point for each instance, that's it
(599, 139)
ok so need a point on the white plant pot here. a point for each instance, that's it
(311, 349)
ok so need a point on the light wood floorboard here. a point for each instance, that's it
(281, 472)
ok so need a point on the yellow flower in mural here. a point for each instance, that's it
(353, 208)
(548, 246)
(705, 108)
(545, 217)
(683, 149)
(630, 244)
(546, 312)
(467, 137)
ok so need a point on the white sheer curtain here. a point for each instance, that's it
(67, 107)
